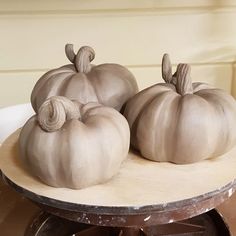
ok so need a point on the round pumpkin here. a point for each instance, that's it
(180, 121)
(71, 145)
(109, 84)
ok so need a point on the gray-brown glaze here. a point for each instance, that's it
(109, 84)
(180, 121)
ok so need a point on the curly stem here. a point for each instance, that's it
(55, 111)
(183, 79)
(82, 59)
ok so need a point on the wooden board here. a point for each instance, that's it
(140, 186)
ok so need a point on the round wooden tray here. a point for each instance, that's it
(142, 193)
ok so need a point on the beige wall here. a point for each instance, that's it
(132, 33)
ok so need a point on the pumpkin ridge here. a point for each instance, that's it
(37, 100)
(133, 125)
(96, 91)
(42, 160)
(64, 83)
(164, 98)
(154, 89)
(174, 104)
(221, 106)
(188, 142)
(175, 129)
(42, 80)
(24, 156)
(107, 114)
(82, 85)
(62, 162)
(198, 86)
(100, 76)
(74, 164)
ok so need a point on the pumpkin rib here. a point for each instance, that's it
(100, 76)
(197, 86)
(139, 101)
(174, 104)
(107, 114)
(42, 80)
(26, 133)
(76, 164)
(63, 163)
(57, 80)
(38, 162)
(47, 92)
(224, 106)
(196, 135)
(79, 82)
(151, 135)
(108, 120)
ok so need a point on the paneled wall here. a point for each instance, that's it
(132, 33)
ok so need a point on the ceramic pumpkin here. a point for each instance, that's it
(71, 145)
(180, 121)
(109, 84)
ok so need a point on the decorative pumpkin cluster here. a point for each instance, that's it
(78, 138)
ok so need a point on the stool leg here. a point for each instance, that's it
(45, 224)
(131, 232)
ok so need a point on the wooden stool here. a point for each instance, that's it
(144, 198)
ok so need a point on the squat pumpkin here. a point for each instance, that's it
(109, 84)
(180, 121)
(73, 145)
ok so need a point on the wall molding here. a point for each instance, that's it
(44, 7)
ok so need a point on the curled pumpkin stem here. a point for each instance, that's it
(82, 59)
(55, 111)
(166, 68)
(183, 79)
(69, 50)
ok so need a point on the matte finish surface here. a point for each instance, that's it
(73, 145)
(180, 121)
(134, 188)
(109, 84)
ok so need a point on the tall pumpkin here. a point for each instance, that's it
(180, 121)
(71, 145)
(109, 84)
